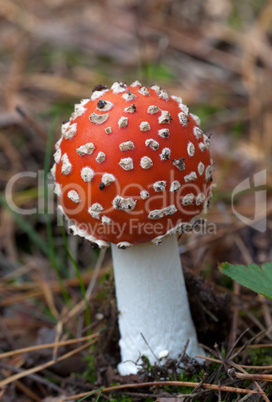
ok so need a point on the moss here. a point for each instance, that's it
(90, 373)
(260, 356)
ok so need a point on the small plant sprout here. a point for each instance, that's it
(133, 169)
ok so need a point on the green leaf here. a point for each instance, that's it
(255, 277)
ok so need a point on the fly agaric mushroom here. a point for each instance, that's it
(133, 168)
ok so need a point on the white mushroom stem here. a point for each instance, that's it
(154, 314)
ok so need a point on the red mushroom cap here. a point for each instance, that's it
(132, 166)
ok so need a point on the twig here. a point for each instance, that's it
(254, 377)
(96, 271)
(45, 365)
(236, 343)
(37, 293)
(197, 388)
(244, 346)
(47, 346)
(223, 360)
(183, 353)
(33, 377)
(147, 344)
(231, 372)
(260, 345)
(244, 373)
(169, 383)
(211, 359)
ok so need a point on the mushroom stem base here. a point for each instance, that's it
(154, 314)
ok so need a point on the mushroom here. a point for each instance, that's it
(131, 170)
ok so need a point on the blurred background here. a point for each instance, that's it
(216, 55)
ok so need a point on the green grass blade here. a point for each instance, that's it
(90, 394)
(82, 286)
(26, 227)
(52, 253)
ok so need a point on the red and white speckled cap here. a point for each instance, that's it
(132, 166)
